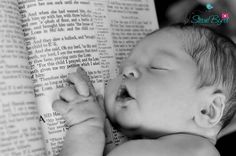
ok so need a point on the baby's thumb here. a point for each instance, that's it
(59, 106)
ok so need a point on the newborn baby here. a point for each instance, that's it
(173, 92)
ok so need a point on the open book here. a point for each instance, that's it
(41, 41)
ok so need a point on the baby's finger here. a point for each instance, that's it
(60, 106)
(91, 88)
(80, 99)
(80, 84)
(84, 75)
(68, 94)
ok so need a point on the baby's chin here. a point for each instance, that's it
(127, 130)
(136, 131)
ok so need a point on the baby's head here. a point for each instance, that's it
(180, 79)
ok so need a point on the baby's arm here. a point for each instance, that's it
(80, 108)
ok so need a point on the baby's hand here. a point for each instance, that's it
(78, 103)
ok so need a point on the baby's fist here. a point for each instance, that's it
(78, 103)
(81, 110)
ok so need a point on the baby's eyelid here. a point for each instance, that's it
(158, 68)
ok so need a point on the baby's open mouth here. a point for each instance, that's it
(123, 94)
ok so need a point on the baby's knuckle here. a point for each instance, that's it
(91, 98)
(63, 90)
(78, 99)
(72, 75)
(75, 103)
(55, 103)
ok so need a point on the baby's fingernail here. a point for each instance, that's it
(80, 69)
(55, 105)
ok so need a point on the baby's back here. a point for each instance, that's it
(171, 145)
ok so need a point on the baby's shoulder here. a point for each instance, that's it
(172, 145)
(188, 144)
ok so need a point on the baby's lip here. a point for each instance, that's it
(123, 93)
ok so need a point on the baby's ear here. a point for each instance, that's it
(211, 112)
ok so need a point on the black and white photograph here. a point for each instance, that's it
(117, 77)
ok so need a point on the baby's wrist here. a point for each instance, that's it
(87, 124)
(86, 128)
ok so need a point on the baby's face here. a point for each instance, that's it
(157, 88)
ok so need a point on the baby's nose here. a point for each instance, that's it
(130, 73)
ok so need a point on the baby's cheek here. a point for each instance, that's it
(108, 105)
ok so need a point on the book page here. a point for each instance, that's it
(63, 34)
(20, 132)
(130, 21)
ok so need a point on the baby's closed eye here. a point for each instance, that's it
(158, 68)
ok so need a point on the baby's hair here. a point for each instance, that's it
(215, 56)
